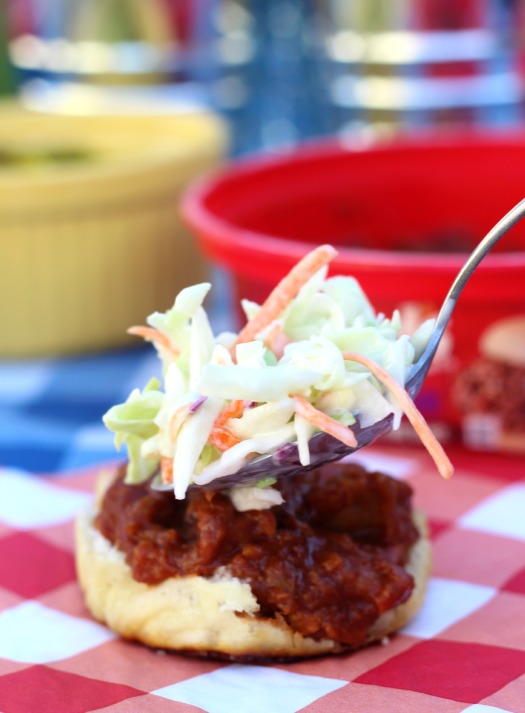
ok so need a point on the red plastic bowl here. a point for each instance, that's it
(403, 216)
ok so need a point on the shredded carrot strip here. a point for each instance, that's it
(222, 439)
(285, 292)
(275, 339)
(417, 420)
(166, 470)
(153, 335)
(234, 409)
(329, 425)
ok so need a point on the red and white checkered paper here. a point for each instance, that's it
(465, 651)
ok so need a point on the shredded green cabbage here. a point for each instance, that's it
(298, 354)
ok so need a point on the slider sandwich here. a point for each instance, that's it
(181, 553)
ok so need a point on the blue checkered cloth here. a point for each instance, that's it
(51, 409)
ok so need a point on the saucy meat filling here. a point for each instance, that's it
(329, 561)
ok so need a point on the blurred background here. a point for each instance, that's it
(112, 108)
(279, 70)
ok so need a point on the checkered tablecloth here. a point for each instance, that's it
(465, 651)
(51, 409)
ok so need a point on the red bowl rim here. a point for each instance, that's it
(218, 236)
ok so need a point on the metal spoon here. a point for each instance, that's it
(418, 371)
(325, 448)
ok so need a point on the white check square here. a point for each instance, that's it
(27, 501)
(33, 633)
(447, 602)
(257, 689)
(501, 514)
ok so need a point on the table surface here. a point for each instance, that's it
(465, 651)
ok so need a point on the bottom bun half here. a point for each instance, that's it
(212, 616)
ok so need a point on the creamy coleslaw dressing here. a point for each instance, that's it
(298, 352)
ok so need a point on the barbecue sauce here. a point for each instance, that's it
(328, 562)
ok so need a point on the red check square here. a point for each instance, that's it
(458, 671)
(436, 527)
(502, 557)
(132, 664)
(49, 691)
(31, 567)
(516, 583)
(462, 493)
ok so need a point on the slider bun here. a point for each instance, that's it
(504, 341)
(215, 616)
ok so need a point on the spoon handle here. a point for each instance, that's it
(419, 370)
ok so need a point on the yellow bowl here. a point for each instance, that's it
(90, 237)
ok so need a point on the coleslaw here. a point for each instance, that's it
(315, 356)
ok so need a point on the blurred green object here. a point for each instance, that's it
(114, 21)
(7, 80)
